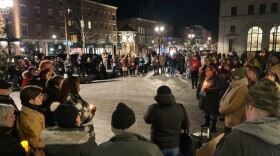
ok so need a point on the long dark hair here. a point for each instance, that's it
(69, 87)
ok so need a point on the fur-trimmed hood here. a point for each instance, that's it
(56, 135)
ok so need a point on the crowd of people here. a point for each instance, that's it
(56, 120)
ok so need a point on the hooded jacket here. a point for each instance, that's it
(231, 104)
(64, 142)
(167, 118)
(252, 138)
(127, 144)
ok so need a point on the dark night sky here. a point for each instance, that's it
(174, 12)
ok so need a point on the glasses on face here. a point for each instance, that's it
(12, 116)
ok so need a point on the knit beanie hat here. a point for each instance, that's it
(239, 73)
(266, 96)
(123, 117)
(164, 90)
(65, 115)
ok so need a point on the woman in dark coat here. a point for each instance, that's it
(8, 144)
(210, 99)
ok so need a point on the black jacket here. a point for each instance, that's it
(167, 118)
(10, 146)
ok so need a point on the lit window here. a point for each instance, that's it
(254, 39)
(274, 41)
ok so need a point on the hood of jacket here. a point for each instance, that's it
(128, 137)
(265, 128)
(240, 82)
(165, 99)
(58, 136)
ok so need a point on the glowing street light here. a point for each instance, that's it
(159, 31)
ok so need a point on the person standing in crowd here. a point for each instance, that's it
(69, 66)
(162, 59)
(27, 76)
(89, 69)
(126, 141)
(67, 138)
(141, 65)
(194, 66)
(165, 128)
(5, 91)
(181, 64)
(251, 60)
(31, 120)
(243, 57)
(273, 74)
(259, 134)
(59, 66)
(53, 90)
(69, 94)
(202, 76)
(124, 62)
(9, 146)
(231, 105)
(172, 62)
(105, 59)
(253, 74)
(274, 59)
(81, 66)
(210, 100)
(114, 65)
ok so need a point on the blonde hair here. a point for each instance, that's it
(4, 110)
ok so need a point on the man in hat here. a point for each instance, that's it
(67, 138)
(167, 119)
(126, 141)
(231, 105)
(259, 135)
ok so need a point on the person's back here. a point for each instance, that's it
(127, 144)
(167, 119)
(68, 137)
(67, 141)
(126, 141)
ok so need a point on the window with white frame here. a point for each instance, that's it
(24, 28)
(37, 12)
(254, 39)
(23, 10)
(274, 39)
(50, 14)
(38, 30)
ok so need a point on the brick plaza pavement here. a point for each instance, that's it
(138, 93)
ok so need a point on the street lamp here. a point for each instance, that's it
(54, 40)
(5, 6)
(209, 42)
(191, 37)
(159, 31)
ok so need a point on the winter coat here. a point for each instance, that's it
(66, 142)
(26, 78)
(252, 138)
(167, 118)
(231, 104)
(29, 126)
(9, 146)
(210, 103)
(127, 144)
(195, 64)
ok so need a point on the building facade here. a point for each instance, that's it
(147, 39)
(249, 25)
(45, 25)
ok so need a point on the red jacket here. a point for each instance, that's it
(195, 65)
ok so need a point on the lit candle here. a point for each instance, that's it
(24, 144)
(90, 106)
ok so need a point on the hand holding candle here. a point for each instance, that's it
(24, 144)
(92, 108)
